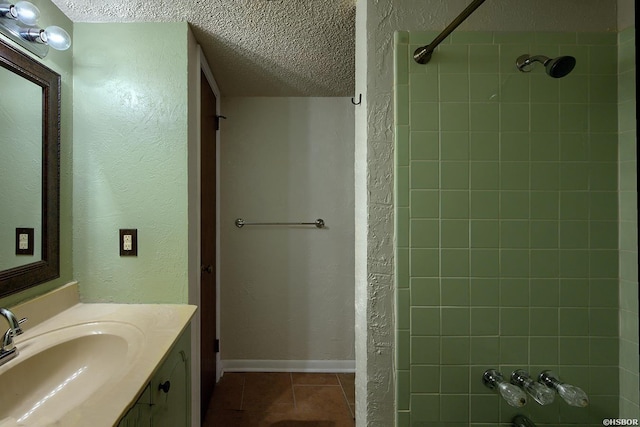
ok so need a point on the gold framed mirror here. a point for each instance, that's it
(30, 177)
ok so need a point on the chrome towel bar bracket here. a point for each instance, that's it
(319, 223)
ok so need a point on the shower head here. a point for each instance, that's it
(555, 67)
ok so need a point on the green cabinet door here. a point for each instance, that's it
(166, 402)
(140, 414)
(171, 387)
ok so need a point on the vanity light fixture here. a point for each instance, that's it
(19, 22)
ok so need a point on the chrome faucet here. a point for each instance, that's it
(8, 350)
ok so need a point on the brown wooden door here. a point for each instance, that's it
(207, 244)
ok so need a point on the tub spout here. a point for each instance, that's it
(522, 421)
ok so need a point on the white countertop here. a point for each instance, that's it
(158, 328)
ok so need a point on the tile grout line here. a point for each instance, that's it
(293, 392)
(346, 399)
(244, 381)
(318, 385)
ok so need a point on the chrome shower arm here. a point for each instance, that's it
(422, 55)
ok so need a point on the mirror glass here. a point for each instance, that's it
(20, 166)
(29, 171)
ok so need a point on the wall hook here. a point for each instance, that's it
(359, 100)
(217, 122)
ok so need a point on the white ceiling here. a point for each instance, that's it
(255, 47)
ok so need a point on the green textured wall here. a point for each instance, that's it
(20, 166)
(506, 225)
(130, 160)
(629, 384)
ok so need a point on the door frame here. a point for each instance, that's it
(201, 66)
(216, 91)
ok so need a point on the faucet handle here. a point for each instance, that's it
(541, 394)
(11, 318)
(510, 392)
(18, 330)
(573, 395)
(7, 340)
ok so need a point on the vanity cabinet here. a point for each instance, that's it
(140, 414)
(166, 402)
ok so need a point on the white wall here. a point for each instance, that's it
(626, 14)
(375, 399)
(287, 293)
(360, 218)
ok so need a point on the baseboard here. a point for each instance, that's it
(332, 366)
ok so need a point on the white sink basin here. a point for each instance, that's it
(57, 371)
(84, 365)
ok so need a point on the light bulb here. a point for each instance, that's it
(25, 12)
(573, 395)
(57, 38)
(512, 394)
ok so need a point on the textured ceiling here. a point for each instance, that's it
(255, 47)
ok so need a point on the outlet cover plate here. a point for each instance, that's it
(128, 242)
(24, 241)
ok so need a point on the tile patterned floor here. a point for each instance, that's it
(257, 399)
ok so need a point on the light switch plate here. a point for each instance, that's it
(24, 241)
(128, 242)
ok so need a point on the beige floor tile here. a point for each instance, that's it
(266, 390)
(301, 378)
(321, 403)
(281, 400)
(348, 384)
(227, 394)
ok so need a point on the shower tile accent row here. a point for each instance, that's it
(629, 381)
(506, 225)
